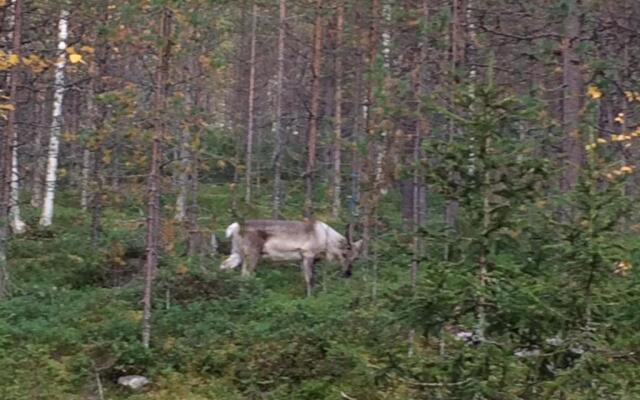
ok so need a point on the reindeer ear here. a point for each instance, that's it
(357, 247)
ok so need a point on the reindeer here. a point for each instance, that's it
(307, 241)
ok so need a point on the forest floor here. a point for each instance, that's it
(72, 326)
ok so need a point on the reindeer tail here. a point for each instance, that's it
(232, 229)
(235, 258)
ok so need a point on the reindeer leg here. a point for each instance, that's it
(308, 269)
(251, 260)
(245, 266)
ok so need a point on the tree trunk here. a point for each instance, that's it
(7, 155)
(458, 56)
(337, 122)
(85, 193)
(37, 184)
(417, 76)
(86, 176)
(153, 222)
(56, 123)
(312, 129)
(251, 106)
(370, 165)
(572, 98)
(192, 200)
(277, 153)
(184, 155)
(17, 225)
(360, 110)
(420, 130)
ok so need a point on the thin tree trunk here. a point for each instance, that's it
(312, 130)
(96, 200)
(184, 155)
(458, 56)
(277, 154)
(97, 113)
(17, 225)
(192, 210)
(86, 176)
(37, 184)
(421, 130)
(85, 193)
(572, 98)
(337, 127)
(251, 116)
(56, 123)
(7, 156)
(192, 207)
(484, 252)
(153, 223)
(369, 174)
(360, 115)
(418, 74)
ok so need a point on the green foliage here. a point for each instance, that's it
(216, 335)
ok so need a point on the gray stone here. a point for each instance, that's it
(134, 382)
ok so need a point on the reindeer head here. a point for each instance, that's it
(351, 252)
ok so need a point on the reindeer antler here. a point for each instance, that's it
(349, 233)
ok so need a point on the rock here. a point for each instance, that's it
(526, 353)
(134, 382)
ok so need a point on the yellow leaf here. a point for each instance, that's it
(135, 316)
(3, 3)
(7, 106)
(601, 141)
(75, 58)
(106, 157)
(594, 92)
(71, 50)
(620, 118)
(622, 267)
(182, 269)
(87, 49)
(14, 59)
(629, 95)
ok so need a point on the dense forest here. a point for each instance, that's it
(483, 151)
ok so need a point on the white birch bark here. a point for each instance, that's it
(56, 123)
(17, 225)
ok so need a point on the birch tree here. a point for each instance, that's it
(6, 175)
(56, 123)
(17, 225)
